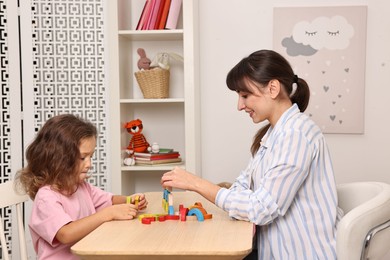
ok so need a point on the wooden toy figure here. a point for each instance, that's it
(138, 142)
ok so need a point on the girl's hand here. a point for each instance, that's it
(122, 211)
(139, 199)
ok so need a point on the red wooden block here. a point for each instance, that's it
(172, 217)
(147, 220)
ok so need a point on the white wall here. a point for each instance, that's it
(232, 29)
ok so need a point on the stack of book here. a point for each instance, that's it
(162, 157)
(159, 15)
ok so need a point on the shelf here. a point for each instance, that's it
(152, 100)
(152, 35)
(165, 167)
(171, 122)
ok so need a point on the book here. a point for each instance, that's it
(164, 15)
(154, 15)
(165, 150)
(154, 158)
(166, 161)
(159, 14)
(173, 154)
(144, 15)
(149, 20)
(173, 14)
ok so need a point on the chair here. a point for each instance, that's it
(363, 232)
(9, 197)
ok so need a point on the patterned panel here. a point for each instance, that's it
(68, 60)
(4, 99)
(5, 152)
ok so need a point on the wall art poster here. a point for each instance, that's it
(326, 46)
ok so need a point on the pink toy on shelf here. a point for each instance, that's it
(143, 62)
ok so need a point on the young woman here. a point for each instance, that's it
(288, 189)
(66, 207)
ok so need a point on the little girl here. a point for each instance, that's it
(66, 207)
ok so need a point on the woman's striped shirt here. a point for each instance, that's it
(288, 190)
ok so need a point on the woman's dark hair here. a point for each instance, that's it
(260, 68)
(53, 157)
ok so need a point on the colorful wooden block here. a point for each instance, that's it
(197, 213)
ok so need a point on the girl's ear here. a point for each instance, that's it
(274, 88)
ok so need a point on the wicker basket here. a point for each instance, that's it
(154, 83)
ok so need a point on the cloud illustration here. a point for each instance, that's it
(323, 32)
(295, 49)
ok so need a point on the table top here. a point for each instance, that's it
(217, 238)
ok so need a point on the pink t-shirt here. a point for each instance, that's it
(52, 210)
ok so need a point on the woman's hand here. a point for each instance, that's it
(179, 178)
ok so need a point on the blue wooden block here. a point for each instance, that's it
(197, 213)
(171, 210)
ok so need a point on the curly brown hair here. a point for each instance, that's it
(53, 157)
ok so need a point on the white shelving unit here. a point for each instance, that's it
(172, 122)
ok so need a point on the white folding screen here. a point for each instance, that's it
(53, 62)
(67, 66)
(11, 151)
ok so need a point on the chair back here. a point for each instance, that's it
(9, 198)
(363, 232)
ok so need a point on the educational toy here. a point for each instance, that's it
(194, 212)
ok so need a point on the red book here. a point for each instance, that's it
(154, 15)
(155, 156)
(153, 5)
(144, 15)
(164, 15)
(159, 14)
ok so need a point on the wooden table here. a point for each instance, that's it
(216, 238)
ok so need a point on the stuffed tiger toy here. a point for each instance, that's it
(138, 142)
